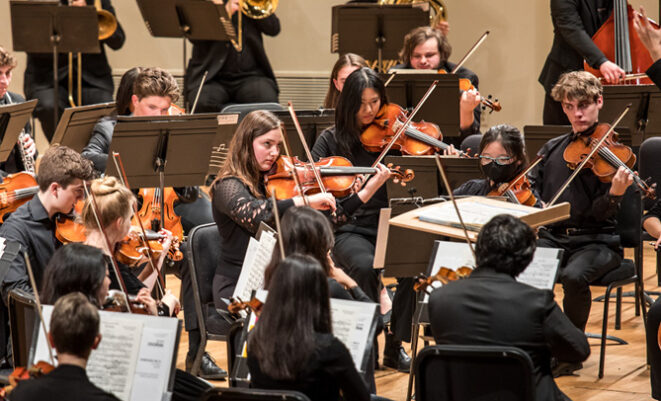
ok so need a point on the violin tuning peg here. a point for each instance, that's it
(489, 97)
(395, 180)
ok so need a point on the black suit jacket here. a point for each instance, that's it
(574, 23)
(209, 55)
(491, 308)
(96, 70)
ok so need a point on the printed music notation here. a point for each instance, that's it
(258, 257)
(354, 324)
(218, 156)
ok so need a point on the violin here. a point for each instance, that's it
(116, 302)
(151, 211)
(20, 374)
(465, 84)
(15, 190)
(237, 305)
(419, 138)
(610, 156)
(620, 43)
(338, 176)
(444, 275)
(519, 192)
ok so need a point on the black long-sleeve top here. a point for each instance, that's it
(366, 217)
(592, 207)
(329, 370)
(98, 146)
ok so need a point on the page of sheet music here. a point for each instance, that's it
(152, 370)
(352, 323)
(258, 257)
(111, 366)
(474, 213)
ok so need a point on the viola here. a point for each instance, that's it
(15, 190)
(152, 209)
(338, 176)
(419, 138)
(610, 156)
(620, 43)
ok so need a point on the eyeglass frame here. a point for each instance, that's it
(497, 160)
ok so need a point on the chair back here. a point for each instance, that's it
(629, 218)
(471, 142)
(239, 394)
(22, 317)
(473, 372)
(244, 108)
(203, 252)
(649, 164)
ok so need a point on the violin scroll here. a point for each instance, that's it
(399, 176)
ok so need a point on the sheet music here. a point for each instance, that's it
(353, 325)
(153, 366)
(475, 213)
(542, 271)
(112, 365)
(258, 257)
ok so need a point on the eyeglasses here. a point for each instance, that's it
(501, 160)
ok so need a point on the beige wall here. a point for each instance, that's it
(508, 63)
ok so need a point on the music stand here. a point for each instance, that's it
(226, 127)
(53, 29)
(13, 118)
(77, 124)
(164, 151)
(535, 136)
(442, 106)
(642, 120)
(375, 31)
(313, 123)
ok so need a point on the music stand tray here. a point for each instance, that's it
(13, 118)
(77, 124)
(174, 148)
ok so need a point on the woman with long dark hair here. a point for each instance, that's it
(361, 99)
(306, 357)
(344, 66)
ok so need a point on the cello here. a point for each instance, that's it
(620, 43)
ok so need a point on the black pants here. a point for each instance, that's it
(44, 109)
(586, 259)
(553, 113)
(218, 93)
(653, 351)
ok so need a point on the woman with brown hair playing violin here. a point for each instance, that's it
(502, 158)
(114, 203)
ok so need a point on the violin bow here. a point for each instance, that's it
(117, 159)
(308, 154)
(470, 52)
(594, 150)
(392, 76)
(33, 282)
(401, 129)
(276, 214)
(523, 173)
(92, 199)
(454, 203)
(199, 90)
(285, 145)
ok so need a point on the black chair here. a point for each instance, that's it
(649, 166)
(471, 142)
(203, 253)
(239, 394)
(22, 317)
(629, 229)
(473, 372)
(244, 108)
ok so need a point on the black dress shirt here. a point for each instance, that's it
(65, 383)
(592, 207)
(329, 370)
(30, 226)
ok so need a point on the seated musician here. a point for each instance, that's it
(306, 356)
(588, 238)
(491, 308)
(14, 162)
(233, 77)
(502, 158)
(62, 173)
(344, 66)
(428, 49)
(74, 333)
(97, 83)
(361, 99)
(114, 204)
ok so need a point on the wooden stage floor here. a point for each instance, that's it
(626, 375)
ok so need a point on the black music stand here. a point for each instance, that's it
(442, 106)
(642, 120)
(13, 118)
(375, 31)
(226, 127)
(536, 136)
(53, 29)
(77, 124)
(164, 151)
(313, 123)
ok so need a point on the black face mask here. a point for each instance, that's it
(498, 173)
